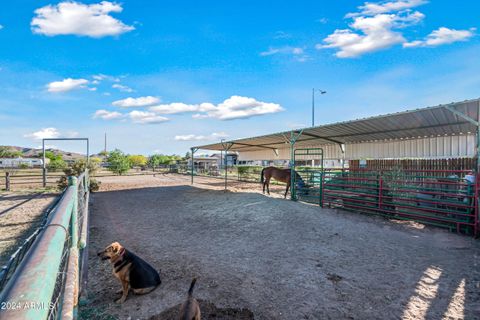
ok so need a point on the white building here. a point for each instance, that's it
(17, 162)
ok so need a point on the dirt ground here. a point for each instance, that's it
(20, 215)
(269, 258)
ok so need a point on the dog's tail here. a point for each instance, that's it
(261, 176)
(190, 291)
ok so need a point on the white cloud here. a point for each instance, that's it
(282, 35)
(235, 107)
(285, 50)
(66, 85)
(442, 36)
(370, 8)
(145, 117)
(107, 115)
(297, 52)
(179, 107)
(122, 87)
(192, 137)
(71, 134)
(136, 102)
(80, 19)
(100, 77)
(371, 34)
(45, 133)
(377, 26)
(269, 52)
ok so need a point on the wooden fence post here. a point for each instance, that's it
(7, 181)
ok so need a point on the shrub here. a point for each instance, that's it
(79, 166)
(76, 169)
(94, 185)
(56, 164)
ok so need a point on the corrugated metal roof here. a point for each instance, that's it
(426, 122)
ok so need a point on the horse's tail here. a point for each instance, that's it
(261, 176)
(298, 177)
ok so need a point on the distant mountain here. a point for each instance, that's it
(34, 153)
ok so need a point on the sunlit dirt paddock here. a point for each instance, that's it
(270, 258)
(20, 214)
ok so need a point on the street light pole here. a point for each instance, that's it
(313, 104)
(313, 107)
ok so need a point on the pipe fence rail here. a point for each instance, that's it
(12, 264)
(47, 283)
(444, 198)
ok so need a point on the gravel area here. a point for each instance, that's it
(275, 258)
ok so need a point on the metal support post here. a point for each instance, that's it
(293, 140)
(44, 167)
(192, 151)
(226, 146)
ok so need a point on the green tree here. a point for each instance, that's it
(154, 161)
(137, 160)
(118, 162)
(50, 155)
(160, 159)
(56, 164)
(9, 152)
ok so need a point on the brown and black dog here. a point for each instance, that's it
(133, 272)
(190, 309)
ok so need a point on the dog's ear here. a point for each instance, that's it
(116, 247)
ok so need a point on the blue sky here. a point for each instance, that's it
(162, 76)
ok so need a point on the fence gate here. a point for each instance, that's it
(307, 182)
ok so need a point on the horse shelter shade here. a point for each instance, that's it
(449, 119)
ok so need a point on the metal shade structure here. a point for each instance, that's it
(448, 119)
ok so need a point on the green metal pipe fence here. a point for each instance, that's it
(46, 283)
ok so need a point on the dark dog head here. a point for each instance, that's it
(111, 252)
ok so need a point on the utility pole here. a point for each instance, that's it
(313, 107)
(105, 147)
(313, 104)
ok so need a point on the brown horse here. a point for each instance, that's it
(282, 175)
